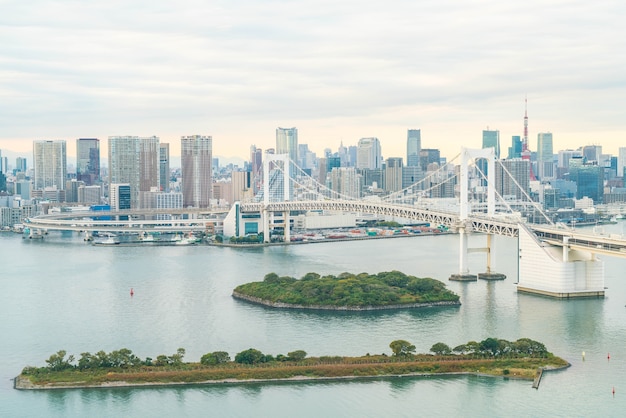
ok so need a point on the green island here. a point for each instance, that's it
(522, 359)
(347, 291)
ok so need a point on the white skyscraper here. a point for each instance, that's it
(124, 165)
(50, 164)
(621, 161)
(368, 154)
(413, 147)
(545, 155)
(197, 171)
(287, 142)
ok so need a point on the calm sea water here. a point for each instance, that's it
(61, 293)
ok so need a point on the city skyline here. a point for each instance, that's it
(77, 70)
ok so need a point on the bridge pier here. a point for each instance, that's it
(557, 271)
(463, 275)
(490, 275)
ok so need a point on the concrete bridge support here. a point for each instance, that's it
(467, 156)
(557, 271)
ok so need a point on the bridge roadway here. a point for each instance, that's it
(82, 221)
(505, 224)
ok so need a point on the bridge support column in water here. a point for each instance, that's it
(557, 270)
(463, 274)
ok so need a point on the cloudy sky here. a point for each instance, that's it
(336, 70)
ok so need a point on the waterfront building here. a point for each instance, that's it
(491, 139)
(287, 142)
(88, 160)
(89, 194)
(413, 147)
(50, 164)
(149, 164)
(369, 154)
(124, 165)
(197, 171)
(164, 167)
(120, 197)
(393, 174)
(545, 156)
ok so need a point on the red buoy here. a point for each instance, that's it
(131, 292)
(608, 356)
(613, 390)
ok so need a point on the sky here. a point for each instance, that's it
(336, 70)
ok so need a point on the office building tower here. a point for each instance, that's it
(120, 197)
(393, 175)
(621, 162)
(124, 165)
(369, 155)
(256, 166)
(89, 194)
(287, 143)
(20, 165)
(411, 175)
(491, 139)
(149, 164)
(508, 173)
(515, 150)
(589, 179)
(345, 181)
(592, 153)
(50, 164)
(197, 170)
(413, 147)
(545, 156)
(4, 164)
(88, 160)
(429, 156)
(164, 167)
(563, 159)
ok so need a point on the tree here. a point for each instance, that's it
(297, 355)
(489, 346)
(58, 362)
(217, 357)
(249, 356)
(440, 349)
(177, 359)
(401, 347)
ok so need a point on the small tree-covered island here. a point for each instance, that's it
(521, 359)
(347, 291)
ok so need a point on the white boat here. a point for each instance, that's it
(187, 240)
(146, 238)
(111, 240)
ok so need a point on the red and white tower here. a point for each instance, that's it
(525, 150)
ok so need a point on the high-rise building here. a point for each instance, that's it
(164, 167)
(20, 165)
(413, 147)
(545, 156)
(368, 154)
(592, 153)
(50, 164)
(120, 197)
(393, 174)
(345, 181)
(197, 170)
(515, 150)
(491, 139)
(589, 179)
(518, 172)
(287, 142)
(429, 156)
(621, 162)
(88, 160)
(124, 165)
(256, 166)
(149, 164)
(4, 164)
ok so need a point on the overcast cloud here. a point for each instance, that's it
(338, 71)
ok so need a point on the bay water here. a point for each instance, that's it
(62, 293)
